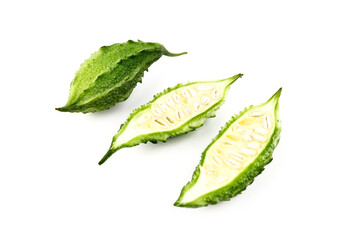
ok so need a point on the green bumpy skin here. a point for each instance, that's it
(235, 156)
(110, 75)
(175, 111)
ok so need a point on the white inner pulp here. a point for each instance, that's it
(173, 109)
(234, 150)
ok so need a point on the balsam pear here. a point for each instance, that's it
(235, 156)
(110, 75)
(175, 111)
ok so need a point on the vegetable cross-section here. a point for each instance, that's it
(175, 111)
(235, 156)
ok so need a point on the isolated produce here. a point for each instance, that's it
(235, 156)
(110, 75)
(175, 111)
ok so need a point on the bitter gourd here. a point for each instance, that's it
(110, 75)
(235, 156)
(175, 111)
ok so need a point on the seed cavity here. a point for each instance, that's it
(215, 94)
(247, 138)
(192, 92)
(247, 151)
(157, 112)
(227, 143)
(220, 179)
(220, 152)
(259, 137)
(255, 114)
(238, 128)
(170, 120)
(180, 115)
(187, 110)
(198, 106)
(232, 137)
(253, 145)
(203, 87)
(216, 161)
(233, 163)
(262, 131)
(185, 93)
(177, 98)
(266, 123)
(160, 122)
(205, 99)
(237, 157)
(170, 102)
(163, 107)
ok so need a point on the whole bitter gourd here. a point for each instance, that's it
(110, 75)
(235, 156)
(175, 111)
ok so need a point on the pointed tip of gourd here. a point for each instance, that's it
(276, 96)
(234, 78)
(169, 54)
(61, 109)
(106, 156)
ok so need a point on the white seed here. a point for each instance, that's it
(220, 152)
(198, 106)
(227, 143)
(220, 179)
(262, 131)
(232, 163)
(185, 93)
(237, 128)
(204, 87)
(233, 137)
(170, 120)
(247, 138)
(237, 157)
(180, 115)
(193, 92)
(247, 151)
(266, 123)
(253, 145)
(164, 107)
(187, 110)
(259, 137)
(157, 112)
(177, 98)
(216, 160)
(170, 102)
(215, 94)
(255, 114)
(205, 99)
(160, 122)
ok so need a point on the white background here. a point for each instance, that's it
(50, 184)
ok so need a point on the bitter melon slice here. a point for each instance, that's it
(235, 156)
(175, 111)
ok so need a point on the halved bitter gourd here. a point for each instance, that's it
(235, 156)
(175, 111)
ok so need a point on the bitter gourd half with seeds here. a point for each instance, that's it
(110, 75)
(175, 111)
(235, 156)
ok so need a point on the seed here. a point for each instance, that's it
(205, 99)
(185, 93)
(160, 122)
(193, 92)
(220, 152)
(237, 157)
(215, 94)
(169, 119)
(220, 179)
(253, 145)
(232, 163)
(262, 131)
(227, 143)
(247, 138)
(247, 151)
(266, 122)
(187, 110)
(163, 107)
(255, 114)
(203, 87)
(177, 98)
(170, 102)
(238, 128)
(157, 112)
(232, 137)
(198, 106)
(216, 161)
(180, 115)
(259, 137)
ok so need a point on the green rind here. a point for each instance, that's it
(110, 75)
(245, 178)
(188, 126)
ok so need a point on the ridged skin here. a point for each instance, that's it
(244, 179)
(110, 75)
(192, 124)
